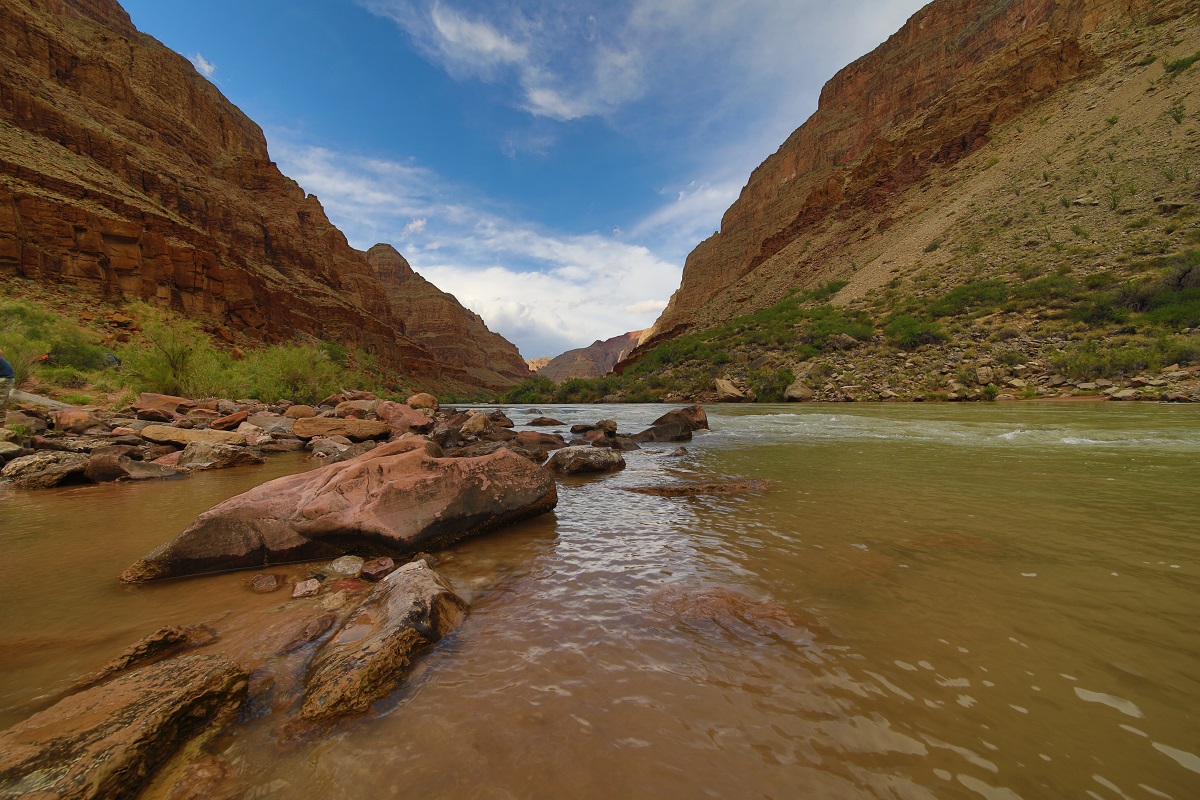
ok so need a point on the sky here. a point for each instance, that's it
(550, 164)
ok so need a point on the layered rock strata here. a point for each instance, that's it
(592, 361)
(454, 334)
(895, 118)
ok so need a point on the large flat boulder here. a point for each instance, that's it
(396, 499)
(107, 741)
(357, 429)
(582, 458)
(410, 609)
(165, 434)
(203, 455)
(44, 469)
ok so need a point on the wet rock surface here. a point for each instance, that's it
(409, 610)
(580, 459)
(393, 500)
(106, 741)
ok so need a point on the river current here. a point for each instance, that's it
(928, 601)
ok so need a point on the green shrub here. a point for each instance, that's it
(538, 389)
(1180, 64)
(908, 332)
(989, 392)
(961, 299)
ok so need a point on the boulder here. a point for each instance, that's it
(229, 422)
(534, 440)
(403, 418)
(202, 455)
(423, 400)
(355, 409)
(109, 467)
(300, 412)
(367, 657)
(166, 434)
(75, 420)
(108, 740)
(9, 449)
(345, 567)
(272, 423)
(500, 419)
(282, 446)
(693, 417)
(378, 568)
(665, 432)
(729, 392)
(306, 588)
(44, 469)
(544, 421)
(163, 407)
(396, 499)
(477, 424)
(31, 422)
(799, 392)
(573, 460)
(356, 429)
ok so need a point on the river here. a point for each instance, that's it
(929, 601)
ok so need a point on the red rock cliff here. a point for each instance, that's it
(919, 102)
(438, 322)
(592, 361)
(125, 173)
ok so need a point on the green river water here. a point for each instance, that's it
(929, 601)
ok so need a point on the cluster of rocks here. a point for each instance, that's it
(357, 622)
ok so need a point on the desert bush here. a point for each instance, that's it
(970, 296)
(909, 333)
(538, 389)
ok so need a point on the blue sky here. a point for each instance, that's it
(551, 164)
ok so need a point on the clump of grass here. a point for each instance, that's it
(1180, 64)
(970, 296)
(908, 332)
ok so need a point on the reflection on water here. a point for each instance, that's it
(929, 601)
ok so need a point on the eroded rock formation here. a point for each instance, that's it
(125, 173)
(897, 117)
(438, 322)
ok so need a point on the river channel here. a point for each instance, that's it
(929, 601)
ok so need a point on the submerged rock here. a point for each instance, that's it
(694, 489)
(408, 610)
(393, 500)
(107, 741)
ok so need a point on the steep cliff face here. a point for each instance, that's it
(126, 174)
(900, 117)
(438, 322)
(592, 361)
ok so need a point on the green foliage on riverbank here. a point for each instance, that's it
(172, 355)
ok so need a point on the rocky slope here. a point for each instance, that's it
(127, 175)
(592, 361)
(895, 136)
(438, 322)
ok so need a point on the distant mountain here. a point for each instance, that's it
(592, 361)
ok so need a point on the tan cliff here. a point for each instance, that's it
(592, 361)
(127, 175)
(438, 322)
(889, 127)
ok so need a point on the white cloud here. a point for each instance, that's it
(206, 67)
(546, 291)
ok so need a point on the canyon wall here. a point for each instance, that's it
(126, 174)
(900, 115)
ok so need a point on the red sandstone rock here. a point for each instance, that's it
(75, 420)
(408, 610)
(403, 418)
(395, 499)
(107, 741)
(423, 400)
(300, 412)
(228, 423)
(534, 440)
(378, 568)
(693, 417)
(357, 429)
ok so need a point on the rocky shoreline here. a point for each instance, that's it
(399, 479)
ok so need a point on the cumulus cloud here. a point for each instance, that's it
(206, 67)
(546, 291)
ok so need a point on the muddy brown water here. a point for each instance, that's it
(927, 602)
